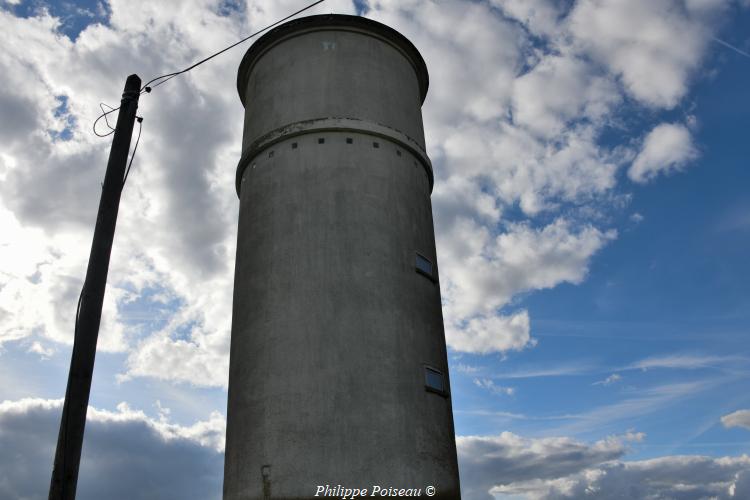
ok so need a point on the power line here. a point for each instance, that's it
(165, 78)
(135, 148)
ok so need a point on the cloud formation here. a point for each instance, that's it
(652, 47)
(126, 454)
(483, 272)
(175, 235)
(685, 361)
(488, 461)
(679, 477)
(525, 184)
(667, 148)
(739, 418)
(508, 465)
(609, 380)
(493, 388)
(524, 181)
(524, 146)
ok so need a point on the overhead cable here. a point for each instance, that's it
(165, 78)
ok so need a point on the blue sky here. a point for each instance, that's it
(592, 222)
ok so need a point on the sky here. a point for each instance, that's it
(592, 221)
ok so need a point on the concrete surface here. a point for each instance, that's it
(332, 325)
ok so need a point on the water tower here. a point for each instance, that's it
(338, 371)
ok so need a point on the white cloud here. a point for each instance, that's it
(684, 361)
(563, 370)
(535, 172)
(461, 198)
(683, 477)
(38, 348)
(163, 357)
(637, 218)
(653, 46)
(510, 466)
(175, 231)
(473, 52)
(497, 137)
(463, 368)
(126, 454)
(739, 418)
(486, 334)
(142, 457)
(637, 405)
(540, 16)
(481, 273)
(579, 94)
(493, 388)
(470, 51)
(667, 148)
(487, 461)
(176, 228)
(609, 380)
(41, 288)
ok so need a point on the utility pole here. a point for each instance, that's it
(89, 313)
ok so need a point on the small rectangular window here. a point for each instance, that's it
(349, 140)
(433, 380)
(294, 145)
(321, 140)
(376, 144)
(423, 265)
(270, 154)
(398, 152)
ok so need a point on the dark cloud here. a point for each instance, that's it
(562, 468)
(126, 455)
(19, 117)
(672, 477)
(186, 138)
(55, 191)
(487, 461)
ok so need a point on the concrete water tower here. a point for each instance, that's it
(338, 372)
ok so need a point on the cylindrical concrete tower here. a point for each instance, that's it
(338, 373)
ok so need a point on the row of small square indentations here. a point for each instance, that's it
(322, 140)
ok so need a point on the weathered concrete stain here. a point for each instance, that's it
(265, 472)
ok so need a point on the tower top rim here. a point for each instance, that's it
(336, 22)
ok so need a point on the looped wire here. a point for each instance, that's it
(104, 115)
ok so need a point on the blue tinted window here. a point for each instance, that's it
(424, 265)
(433, 379)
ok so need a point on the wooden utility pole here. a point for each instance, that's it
(89, 313)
